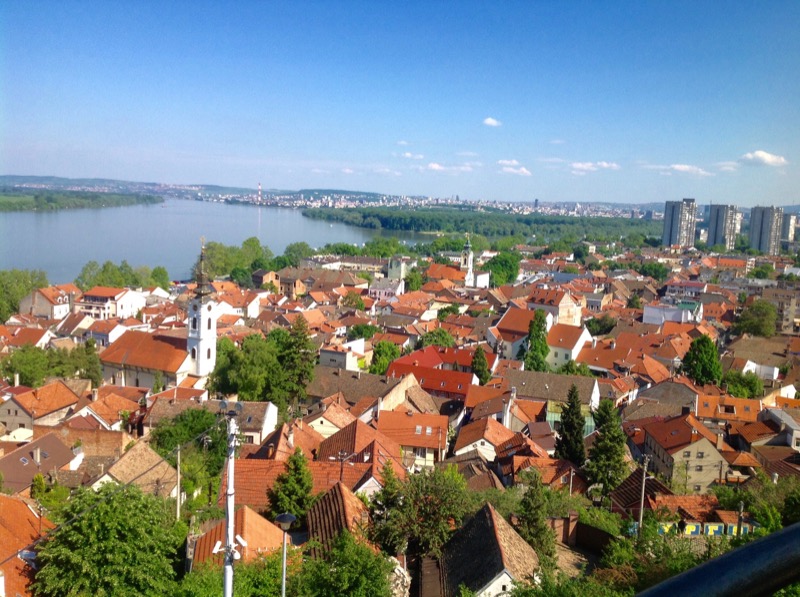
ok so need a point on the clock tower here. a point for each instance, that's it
(202, 338)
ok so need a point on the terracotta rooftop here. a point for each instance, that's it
(261, 535)
(339, 509)
(50, 398)
(147, 351)
(486, 429)
(415, 429)
(145, 468)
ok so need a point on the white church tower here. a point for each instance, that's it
(467, 259)
(202, 339)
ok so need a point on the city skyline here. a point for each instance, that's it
(618, 102)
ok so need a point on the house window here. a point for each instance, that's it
(208, 353)
(194, 353)
(209, 323)
(420, 452)
(418, 429)
(687, 454)
(555, 354)
(700, 454)
(428, 431)
(697, 488)
(699, 468)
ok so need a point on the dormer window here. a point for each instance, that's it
(428, 431)
(418, 430)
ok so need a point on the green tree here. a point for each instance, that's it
(362, 330)
(758, 319)
(601, 326)
(532, 516)
(438, 337)
(88, 363)
(353, 300)
(193, 425)
(257, 578)
(383, 353)
(605, 413)
(434, 503)
(119, 542)
(15, 285)
(537, 349)
(292, 490)
(573, 368)
(347, 567)
(384, 506)
(743, 385)
(762, 272)
(160, 277)
(414, 280)
(634, 302)
(447, 311)
(241, 276)
(504, 267)
(701, 362)
(30, 362)
(298, 359)
(606, 463)
(480, 366)
(569, 444)
(295, 252)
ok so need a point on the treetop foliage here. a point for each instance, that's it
(701, 362)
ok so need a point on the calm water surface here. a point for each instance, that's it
(167, 234)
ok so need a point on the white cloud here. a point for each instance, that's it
(403, 143)
(437, 167)
(489, 121)
(584, 167)
(680, 168)
(728, 166)
(467, 154)
(508, 162)
(387, 171)
(413, 156)
(763, 158)
(521, 171)
(348, 171)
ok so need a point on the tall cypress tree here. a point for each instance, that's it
(532, 516)
(536, 357)
(480, 366)
(292, 491)
(569, 444)
(606, 462)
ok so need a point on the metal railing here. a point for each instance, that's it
(758, 568)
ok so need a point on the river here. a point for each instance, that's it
(168, 234)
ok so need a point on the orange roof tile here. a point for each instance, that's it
(147, 351)
(415, 429)
(48, 399)
(487, 429)
(261, 536)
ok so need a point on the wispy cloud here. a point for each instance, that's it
(763, 158)
(348, 171)
(489, 121)
(727, 166)
(581, 168)
(679, 168)
(413, 156)
(387, 171)
(437, 167)
(521, 171)
(403, 143)
(467, 154)
(508, 162)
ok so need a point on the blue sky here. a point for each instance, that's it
(561, 101)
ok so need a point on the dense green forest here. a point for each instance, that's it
(542, 228)
(12, 199)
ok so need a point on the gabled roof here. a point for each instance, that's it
(19, 467)
(145, 468)
(104, 292)
(336, 511)
(261, 536)
(48, 399)
(627, 495)
(675, 433)
(415, 429)
(20, 526)
(352, 384)
(281, 443)
(550, 386)
(486, 429)
(147, 351)
(565, 336)
(357, 438)
(500, 548)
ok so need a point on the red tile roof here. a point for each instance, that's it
(485, 429)
(147, 351)
(261, 536)
(415, 429)
(50, 398)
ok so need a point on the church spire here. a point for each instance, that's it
(204, 288)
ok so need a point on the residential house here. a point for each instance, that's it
(560, 303)
(102, 302)
(21, 528)
(452, 385)
(144, 467)
(47, 405)
(423, 435)
(506, 558)
(686, 452)
(484, 435)
(626, 498)
(329, 419)
(41, 456)
(260, 535)
(52, 302)
(510, 333)
(565, 343)
(338, 510)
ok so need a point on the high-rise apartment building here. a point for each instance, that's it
(765, 229)
(788, 227)
(723, 226)
(680, 219)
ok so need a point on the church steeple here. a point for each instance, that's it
(202, 334)
(204, 288)
(467, 262)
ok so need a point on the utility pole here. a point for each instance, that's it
(178, 500)
(230, 414)
(645, 465)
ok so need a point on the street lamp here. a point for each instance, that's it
(284, 521)
(230, 410)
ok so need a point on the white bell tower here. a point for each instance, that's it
(467, 260)
(202, 338)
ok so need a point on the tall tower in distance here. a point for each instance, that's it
(765, 229)
(201, 342)
(788, 227)
(680, 221)
(467, 262)
(723, 226)
(259, 193)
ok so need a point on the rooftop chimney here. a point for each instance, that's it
(94, 394)
(16, 379)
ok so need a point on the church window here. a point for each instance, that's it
(209, 323)
(208, 353)
(194, 323)
(194, 353)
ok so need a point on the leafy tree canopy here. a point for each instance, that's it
(601, 326)
(16, 284)
(118, 276)
(569, 444)
(480, 366)
(362, 330)
(438, 337)
(743, 385)
(532, 515)
(292, 491)
(35, 364)
(758, 319)
(537, 350)
(383, 353)
(504, 267)
(701, 362)
(119, 542)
